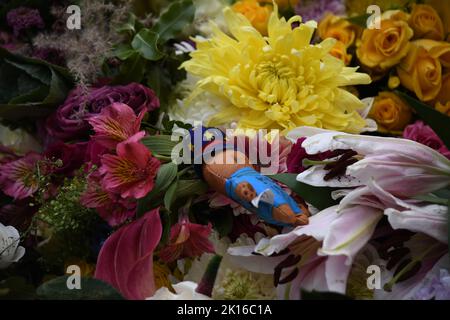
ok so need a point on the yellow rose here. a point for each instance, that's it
(443, 96)
(421, 72)
(385, 47)
(258, 15)
(437, 49)
(338, 28)
(390, 112)
(443, 108)
(283, 4)
(426, 22)
(340, 51)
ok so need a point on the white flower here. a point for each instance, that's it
(184, 291)
(198, 109)
(18, 140)
(207, 11)
(10, 251)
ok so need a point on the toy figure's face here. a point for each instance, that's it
(245, 191)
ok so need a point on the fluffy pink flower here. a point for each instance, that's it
(17, 178)
(111, 207)
(423, 134)
(187, 240)
(131, 172)
(116, 123)
(126, 259)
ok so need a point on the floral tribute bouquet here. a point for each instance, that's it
(99, 99)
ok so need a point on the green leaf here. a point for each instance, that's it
(187, 188)
(171, 195)
(123, 51)
(129, 26)
(161, 144)
(131, 70)
(38, 72)
(439, 122)
(91, 289)
(166, 223)
(145, 42)
(166, 174)
(359, 20)
(177, 16)
(222, 222)
(319, 197)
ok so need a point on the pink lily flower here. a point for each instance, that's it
(126, 259)
(187, 240)
(17, 178)
(131, 172)
(116, 123)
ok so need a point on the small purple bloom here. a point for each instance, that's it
(316, 10)
(50, 55)
(23, 18)
(438, 288)
(70, 119)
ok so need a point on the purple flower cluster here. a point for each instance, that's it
(438, 288)
(51, 55)
(23, 18)
(423, 134)
(317, 9)
(70, 119)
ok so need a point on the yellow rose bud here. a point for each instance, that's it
(443, 108)
(258, 15)
(340, 51)
(437, 49)
(383, 48)
(426, 22)
(421, 72)
(338, 28)
(393, 82)
(390, 112)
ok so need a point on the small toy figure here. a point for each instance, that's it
(254, 191)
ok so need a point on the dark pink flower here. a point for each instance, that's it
(131, 172)
(17, 178)
(94, 153)
(423, 134)
(70, 119)
(71, 155)
(298, 154)
(187, 240)
(126, 259)
(116, 123)
(23, 18)
(111, 207)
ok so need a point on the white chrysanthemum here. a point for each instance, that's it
(199, 109)
(209, 10)
(10, 251)
(233, 282)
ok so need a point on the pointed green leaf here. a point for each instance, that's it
(177, 16)
(145, 42)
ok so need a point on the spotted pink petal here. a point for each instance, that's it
(126, 259)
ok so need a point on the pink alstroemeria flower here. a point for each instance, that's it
(126, 259)
(116, 123)
(131, 172)
(187, 240)
(17, 178)
(111, 207)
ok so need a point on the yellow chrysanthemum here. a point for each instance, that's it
(276, 82)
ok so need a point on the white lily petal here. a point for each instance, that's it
(245, 258)
(314, 176)
(432, 221)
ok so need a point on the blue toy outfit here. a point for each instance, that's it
(260, 183)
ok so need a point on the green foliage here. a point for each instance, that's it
(15, 288)
(30, 88)
(91, 289)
